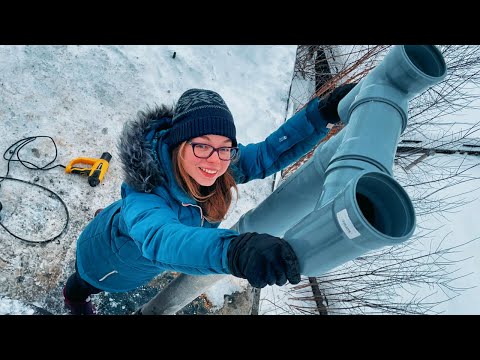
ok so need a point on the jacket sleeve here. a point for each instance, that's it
(295, 138)
(156, 229)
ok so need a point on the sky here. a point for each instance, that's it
(82, 95)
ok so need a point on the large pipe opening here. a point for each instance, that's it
(385, 205)
(427, 59)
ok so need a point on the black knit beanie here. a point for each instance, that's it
(200, 112)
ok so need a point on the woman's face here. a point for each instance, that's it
(206, 171)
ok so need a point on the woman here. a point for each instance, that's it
(180, 168)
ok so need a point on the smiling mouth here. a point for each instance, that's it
(208, 172)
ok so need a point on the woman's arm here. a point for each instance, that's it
(154, 226)
(296, 137)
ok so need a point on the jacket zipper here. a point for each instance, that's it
(201, 212)
(107, 275)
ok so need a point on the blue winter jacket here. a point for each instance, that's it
(156, 226)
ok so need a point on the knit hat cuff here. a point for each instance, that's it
(198, 126)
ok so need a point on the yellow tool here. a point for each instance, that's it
(95, 173)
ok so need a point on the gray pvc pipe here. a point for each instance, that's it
(180, 292)
(353, 205)
(277, 213)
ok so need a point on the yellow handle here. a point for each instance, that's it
(97, 170)
(79, 170)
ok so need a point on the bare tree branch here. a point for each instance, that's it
(419, 275)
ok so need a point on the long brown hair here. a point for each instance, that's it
(214, 200)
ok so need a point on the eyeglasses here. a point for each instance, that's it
(204, 151)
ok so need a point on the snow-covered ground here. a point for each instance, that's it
(81, 96)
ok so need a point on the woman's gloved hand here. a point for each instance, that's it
(263, 260)
(327, 106)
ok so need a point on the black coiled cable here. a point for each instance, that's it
(14, 150)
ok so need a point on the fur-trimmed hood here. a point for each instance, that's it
(142, 170)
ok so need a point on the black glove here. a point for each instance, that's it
(328, 105)
(263, 259)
